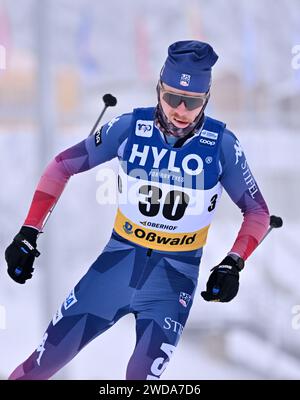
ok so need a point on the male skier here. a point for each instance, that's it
(176, 160)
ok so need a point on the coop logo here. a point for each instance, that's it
(144, 128)
(209, 142)
(2, 57)
(296, 59)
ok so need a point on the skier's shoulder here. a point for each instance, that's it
(229, 138)
(213, 129)
(118, 124)
(229, 148)
(213, 122)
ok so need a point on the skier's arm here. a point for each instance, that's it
(239, 183)
(95, 150)
(92, 151)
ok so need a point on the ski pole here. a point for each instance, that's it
(109, 101)
(275, 222)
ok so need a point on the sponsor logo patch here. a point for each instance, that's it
(185, 80)
(70, 300)
(144, 128)
(111, 123)
(208, 142)
(209, 134)
(98, 139)
(160, 239)
(171, 324)
(159, 226)
(128, 227)
(184, 299)
(238, 151)
(154, 238)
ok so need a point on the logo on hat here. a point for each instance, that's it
(185, 79)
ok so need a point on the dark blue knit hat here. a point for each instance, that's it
(188, 66)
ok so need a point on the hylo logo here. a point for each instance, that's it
(192, 164)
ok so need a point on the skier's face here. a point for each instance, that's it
(180, 107)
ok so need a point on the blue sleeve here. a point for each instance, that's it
(242, 188)
(103, 145)
(236, 176)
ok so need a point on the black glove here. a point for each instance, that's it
(223, 283)
(20, 254)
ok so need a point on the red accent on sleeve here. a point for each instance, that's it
(48, 191)
(253, 229)
(41, 205)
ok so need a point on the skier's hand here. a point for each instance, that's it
(20, 254)
(223, 283)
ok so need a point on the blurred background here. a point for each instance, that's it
(57, 59)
